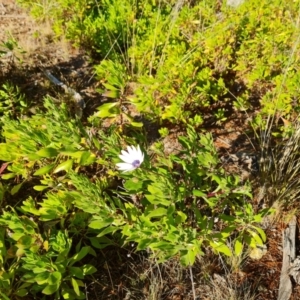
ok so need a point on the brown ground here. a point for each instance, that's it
(130, 277)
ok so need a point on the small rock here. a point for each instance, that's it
(235, 3)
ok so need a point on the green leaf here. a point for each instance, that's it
(44, 170)
(50, 289)
(25, 241)
(257, 238)
(16, 188)
(143, 244)
(65, 166)
(188, 258)
(47, 152)
(96, 143)
(133, 185)
(87, 158)
(75, 286)
(181, 217)
(261, 233)
(107, 230)
(42, 278)
(110, 87)
(54, 278)
(40, 187)
(101, 242)
(4, 296)
(158, 212)
(220, 247)
(38, 270)
(8, 175)
(77, 272)
(198, 193)
(19, 293)
(89, 269)
(108, 110)
(238, 246)
(137, 124)
(162, 245)
(99, 224)
(80, 255)
(2, 192)
(111, 94)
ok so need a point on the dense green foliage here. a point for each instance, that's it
(62, 197)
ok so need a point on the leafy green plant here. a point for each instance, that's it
(44, 144)
(12, 102)
(170, 53)
(40, 262)
(11, 49)
(175, 62)
(171, 207)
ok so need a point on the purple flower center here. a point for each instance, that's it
(136, 163)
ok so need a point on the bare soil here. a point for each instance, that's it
(122, 274)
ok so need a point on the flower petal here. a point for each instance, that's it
(125, 167)
(126, 159)
(124, 152)
(131, 150)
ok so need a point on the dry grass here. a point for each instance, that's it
(280, 169)
(139, 277)
(32, 38)
(232, 284)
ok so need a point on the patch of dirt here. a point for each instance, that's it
(37, 50)
(122, 276)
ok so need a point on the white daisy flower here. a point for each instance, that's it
(132, 159)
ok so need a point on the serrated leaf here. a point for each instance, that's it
(44, 170)
(65, 166)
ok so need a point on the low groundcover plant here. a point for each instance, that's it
(179, 204)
